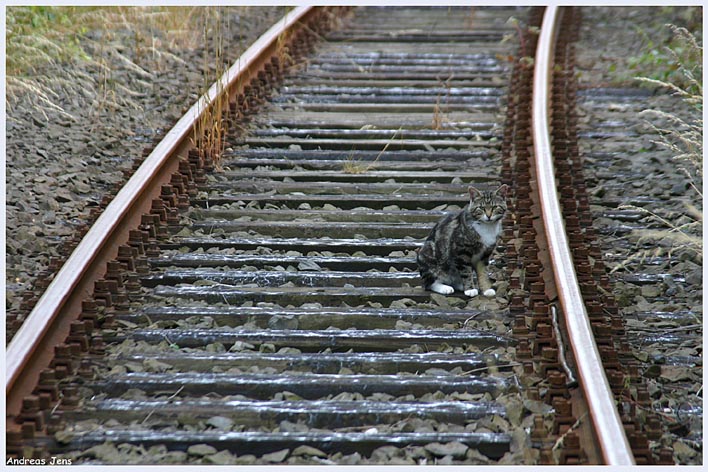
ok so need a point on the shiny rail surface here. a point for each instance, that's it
(610, 431)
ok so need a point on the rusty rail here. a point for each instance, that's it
(46, 325)
(611, 435)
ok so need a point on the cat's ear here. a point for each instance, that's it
(502, 190)
(474, 193)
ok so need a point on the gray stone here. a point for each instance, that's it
(200, 450)
(283, 322)
(221, 458)
(453, 449)
(385, 453)
(277, 456)
(247, 459)
(220, 422)
(308, 265)
(306, 450)
(351, 459)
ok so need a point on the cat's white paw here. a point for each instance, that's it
(490, 292)
(442, 289)
(473, 292)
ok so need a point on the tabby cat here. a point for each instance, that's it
(461, 242)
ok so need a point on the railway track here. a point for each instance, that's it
(271, 311)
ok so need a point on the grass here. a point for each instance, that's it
(352, 166)
(35, 38)
(38, 35)
(211, 128)
(669, 52)
(59, 54)
(440, 113)
(42, 40)
(683, 138)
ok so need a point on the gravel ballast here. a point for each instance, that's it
(637, 192)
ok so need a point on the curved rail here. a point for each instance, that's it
(612, 440)
(43, 329)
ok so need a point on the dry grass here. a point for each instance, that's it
(211, 128)
(95, 41)
(684, 139)
(674, 239)
(440, 112)
(41, 41)
(352, 166)
(668, 52)
(37, 35)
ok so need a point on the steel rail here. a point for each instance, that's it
(601, 402)
(42, 329)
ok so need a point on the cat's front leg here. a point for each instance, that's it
(484, 283)
(448, 282)
(469, 282)
(441, 288)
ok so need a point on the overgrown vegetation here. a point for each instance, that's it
(211, 128)
(683, 137)
(665, 54)
(37, 35)
(41, 40)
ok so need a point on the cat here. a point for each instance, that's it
(461, 242)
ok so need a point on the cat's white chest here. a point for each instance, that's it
(488, 231)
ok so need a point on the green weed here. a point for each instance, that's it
(667, 52)
(684, 139)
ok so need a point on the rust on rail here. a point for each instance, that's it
(612, 438)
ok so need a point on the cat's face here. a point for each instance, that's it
(488, 206)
